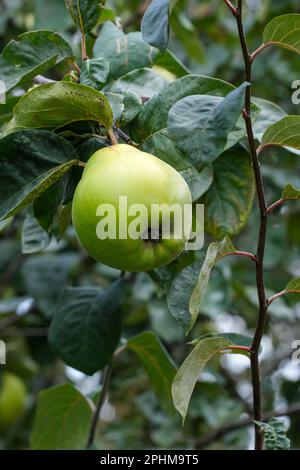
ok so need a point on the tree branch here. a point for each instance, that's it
(231, 7)
(222, 430)
(280, 294)
(260, 49)
(105, 386)
(263, 306)
(274, 206)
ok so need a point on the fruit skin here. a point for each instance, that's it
(12, 398)
(122, 170)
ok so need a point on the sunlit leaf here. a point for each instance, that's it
(284, 31)
(57, 104)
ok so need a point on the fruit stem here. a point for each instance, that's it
(112, 137)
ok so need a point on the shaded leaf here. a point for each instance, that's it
(143, 82)
(198, 181)
(155, 24)
(275, 434)
(62, 421)
(229, 200)
(31, 161)
(84, 13)
(94, 72)
(86, 327)
(34, 237)
(162, 146)
(45, 276)
(154, 115)
(125, 52)
(132, 106)
(157, 363)
(200, 125)
(49, 204)
(32, 54)
(116, 104)
(167, 60)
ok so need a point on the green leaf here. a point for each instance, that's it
(48, 205)
(31, 161)
(84, 13)
(155, 24)
(116, 104)
(235, 339)
(57, 104)
(290, 193)
(86, 327)
(198, 181)
(284, 31)
(94, 72)
(125, 52)
(34, 237)
(154, 115)
(32, 54)
(201, 124)
(275, 434)
(215, 252)
(4, 224)
(6, 110)
(170, 62)
(179, 294)
(143, 82)
(189, 372)
(269, 114)
(62, 420)
(228, 202)
(132, 106)
(293, 286)
(284, 133)
(107, 15)
(157, 363)
(162, 146)
(45, 276)
(89, 147)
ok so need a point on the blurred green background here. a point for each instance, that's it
(203, 36)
